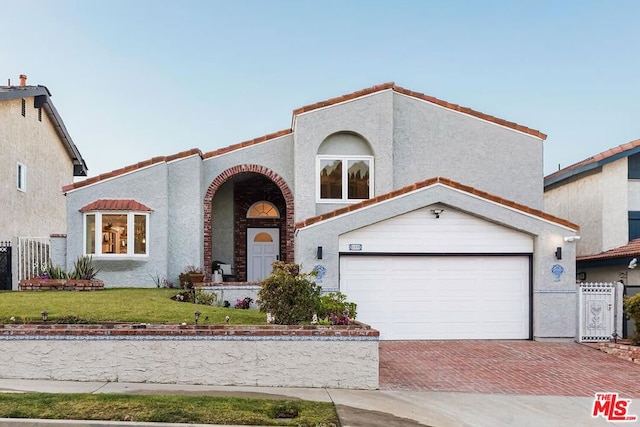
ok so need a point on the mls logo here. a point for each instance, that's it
(611, 407)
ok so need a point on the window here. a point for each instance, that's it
(23, 110)
(344, 178)
(634, 225)
(263, 210)
(22, 177)
(116, 234)
(634, 166)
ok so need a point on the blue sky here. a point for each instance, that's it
(138, 79)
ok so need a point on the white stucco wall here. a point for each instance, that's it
(598, 202)
(615, 203)
(148, 186)
(554, 301)
(259, 362)
(429, 140)
(370, 117)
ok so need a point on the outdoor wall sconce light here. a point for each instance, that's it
(571, 238)
(582, 276)
(558, 253)
(45, 315)
(319, 252)
(437, 212)
(196, 316)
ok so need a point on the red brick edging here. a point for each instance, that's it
(60, 285)
(622, 350)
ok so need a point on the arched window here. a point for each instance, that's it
(263, 209)
(344, 169)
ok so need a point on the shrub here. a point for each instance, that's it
(83, 269)
(54, 272)
(289, 296)
(632, 309)
(335, 307)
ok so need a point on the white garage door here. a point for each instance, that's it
(440, 297)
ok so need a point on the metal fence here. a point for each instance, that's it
(5, 266)
(597, 312)
(33, 256)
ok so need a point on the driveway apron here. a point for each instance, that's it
(506, 367)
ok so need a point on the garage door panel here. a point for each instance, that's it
(440, 297)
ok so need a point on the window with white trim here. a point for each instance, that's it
(116, 234)
(22, 177)
(344, 178)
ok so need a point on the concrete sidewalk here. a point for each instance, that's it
(356, 408)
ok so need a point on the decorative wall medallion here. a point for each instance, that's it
(321, 270)
(557, 271)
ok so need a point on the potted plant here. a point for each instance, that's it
(191, 276)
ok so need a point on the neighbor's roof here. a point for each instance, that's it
(301, 110)
(630, 249)
(593, 162)
(42, 94)
(429, 182)
(115, 205)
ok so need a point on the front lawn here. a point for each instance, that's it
(116, 305)
(168, 409)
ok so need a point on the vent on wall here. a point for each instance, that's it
(24, 107)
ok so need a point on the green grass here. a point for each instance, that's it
(169, 409)
(117, 305)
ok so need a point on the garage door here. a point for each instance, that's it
(440, 297)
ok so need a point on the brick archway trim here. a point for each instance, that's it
(217, 183)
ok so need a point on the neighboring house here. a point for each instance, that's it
(602, 195)
(37, 157)
(427, 214)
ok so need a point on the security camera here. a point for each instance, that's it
(633, 263)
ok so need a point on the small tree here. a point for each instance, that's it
(632, 308)
(289, 296)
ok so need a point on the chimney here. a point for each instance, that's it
(23, 80)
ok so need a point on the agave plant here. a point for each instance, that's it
(54, 272)
(83, 268)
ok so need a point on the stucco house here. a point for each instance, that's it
(38, 158)
(427, 214)
(602, 195)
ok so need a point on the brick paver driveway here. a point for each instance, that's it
(509, 367)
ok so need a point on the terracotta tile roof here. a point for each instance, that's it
(283, 132)
(422, 96)
(115, 205)
(130, 168)
(594, 159)
(427, 183)
(631, 249)
(248, 143)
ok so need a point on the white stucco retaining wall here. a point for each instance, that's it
(337, 362)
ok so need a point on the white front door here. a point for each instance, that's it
(263, 248)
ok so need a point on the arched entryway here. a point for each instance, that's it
(233, 214)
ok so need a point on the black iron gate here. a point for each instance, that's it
(5, 266)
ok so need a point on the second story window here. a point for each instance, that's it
(344, 178)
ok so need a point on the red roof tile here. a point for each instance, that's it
(130, 168)
(115, 205)
(597, 158)
(631, 249)
(422, 96)
(283, 132)
(427, 183)
(243, 144)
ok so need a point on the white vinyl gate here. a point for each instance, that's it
(597, 308)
